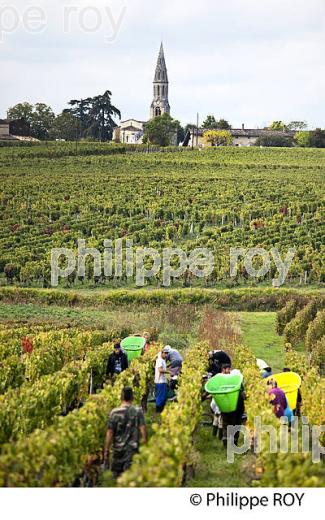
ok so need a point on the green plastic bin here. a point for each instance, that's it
(133, 347)
(225, 389)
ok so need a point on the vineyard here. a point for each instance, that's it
(52, 195)
(55, 394)
(55, 400)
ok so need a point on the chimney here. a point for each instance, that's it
(243, 126)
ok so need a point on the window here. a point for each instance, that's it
(158, 91)
(157, 112)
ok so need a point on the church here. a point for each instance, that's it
(131, 131)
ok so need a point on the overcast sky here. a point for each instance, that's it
(250, 61)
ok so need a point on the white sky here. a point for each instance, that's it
(250, 61)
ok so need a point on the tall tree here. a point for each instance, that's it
(66, 126)
(39, 116)
(297, 125)
(212, 124)
(21, 111)
(101, 115)
(96, 115)
(42, 120)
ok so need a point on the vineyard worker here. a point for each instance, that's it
(146, 336)
(233, 418)
(161, 380)
(126, 425)
(265, 369)
(175, 360)
(217, 358)
(297, 411)
(279, 402)
(117, 361)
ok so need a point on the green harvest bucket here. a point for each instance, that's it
(225, 390)
(133, 347)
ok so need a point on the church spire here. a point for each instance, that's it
(161, 69)
(160, 104)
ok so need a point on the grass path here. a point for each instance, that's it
(212, 468)
(259, 334)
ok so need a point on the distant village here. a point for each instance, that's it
(133, 131)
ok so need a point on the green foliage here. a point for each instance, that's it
(161, 462)
(239, 198)
(212, 124)
(39, 116)
(296, 329)
(316, 330)
(303, 139)
(161, 130)
(297, 125)
(56, 456)
(35, 405)
(51, 351)
(317, 138)
(286, 314)
(245, 299)
(279, 141)
(277, 125)
(65, 126)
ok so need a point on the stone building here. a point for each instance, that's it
(4, 128)
(241, 136)
(132, 130)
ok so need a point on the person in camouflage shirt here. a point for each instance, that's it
(126, 425)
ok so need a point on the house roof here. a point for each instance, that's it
(253, 132)
(131, 119)
(131, 129)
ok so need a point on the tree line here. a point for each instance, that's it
(94, 118)
(90, 118)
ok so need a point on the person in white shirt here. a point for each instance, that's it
(161, 380)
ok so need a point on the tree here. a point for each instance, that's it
(218, 137)
(297, 125)
(21, 111)
(161, 130)
(317, 138)
(101, 115)
(277, 125)
(302, 139)
(223, 124)
(42, 120)
(39, 116)
(274, 140)
(212, 124)
(65, 126)
(95, 116)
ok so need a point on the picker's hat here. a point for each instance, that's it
(262, 365)
(167, 349)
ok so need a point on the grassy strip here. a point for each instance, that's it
(259, 334)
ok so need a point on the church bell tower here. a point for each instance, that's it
(160, 104)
